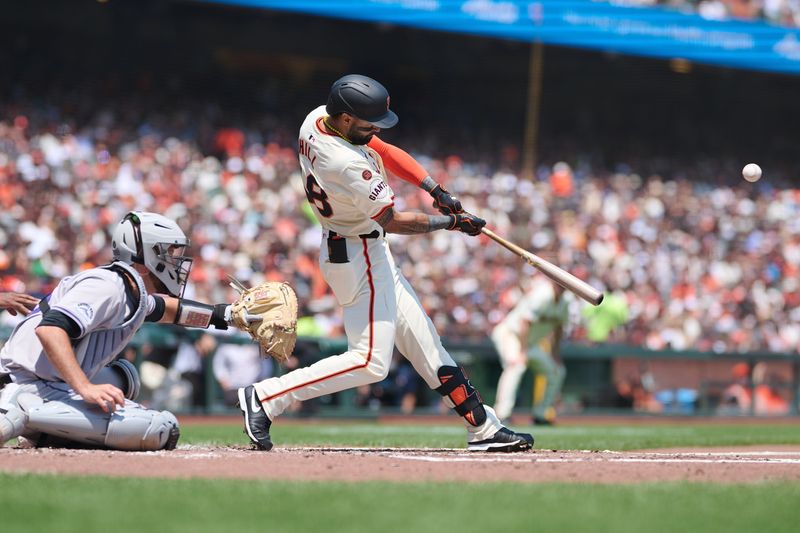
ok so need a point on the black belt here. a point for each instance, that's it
(374, 234)
(337, 245)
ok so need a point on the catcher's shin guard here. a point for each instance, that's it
(131, 428)
(467, 402)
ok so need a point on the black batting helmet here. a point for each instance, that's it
(362, 97)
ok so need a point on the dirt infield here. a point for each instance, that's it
(741, 465)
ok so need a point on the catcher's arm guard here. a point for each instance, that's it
(268, 312)
(199, 315)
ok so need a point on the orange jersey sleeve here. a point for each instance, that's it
(398, 162)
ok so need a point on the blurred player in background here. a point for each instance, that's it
(60, 384)
(532, 332)
(14, 302)
(343, 167)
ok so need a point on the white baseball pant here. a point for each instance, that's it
(514, 363)
(380, 310)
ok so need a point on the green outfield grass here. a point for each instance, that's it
(613, 437)
(89, 504)
(121, 505)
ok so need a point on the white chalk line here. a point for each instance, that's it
(654, 460)
(728, 454)
(764, 461)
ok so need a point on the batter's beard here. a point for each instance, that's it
(360, 141)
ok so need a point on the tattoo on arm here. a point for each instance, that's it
(408, 223)
(385, 217)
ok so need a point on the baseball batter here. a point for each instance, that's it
(344, 166)
(532, 332)
(59, 381)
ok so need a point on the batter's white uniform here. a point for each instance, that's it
(98, 301)
(346, 186)
(539, 313)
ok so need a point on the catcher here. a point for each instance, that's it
(60, 381)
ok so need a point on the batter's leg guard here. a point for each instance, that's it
(123, 375)
(466, 400)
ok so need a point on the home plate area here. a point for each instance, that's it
(730, 465)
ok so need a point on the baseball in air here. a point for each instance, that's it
(751, 172)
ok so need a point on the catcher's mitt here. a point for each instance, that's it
(268, 312)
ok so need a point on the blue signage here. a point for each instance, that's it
(609, 26)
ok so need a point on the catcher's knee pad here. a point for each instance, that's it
(71, 420)
(133, 428)
(143, 430)
(466, 400)
(123, 375)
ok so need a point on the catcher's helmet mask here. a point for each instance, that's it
(156, 242)
(361, 97)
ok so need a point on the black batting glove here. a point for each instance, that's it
(467, 223)
(446, 203)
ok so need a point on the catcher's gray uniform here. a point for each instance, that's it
(107, 313)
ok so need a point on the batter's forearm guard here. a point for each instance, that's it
(466, 399)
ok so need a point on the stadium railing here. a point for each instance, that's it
(591, 369)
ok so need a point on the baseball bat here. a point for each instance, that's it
(559, 275)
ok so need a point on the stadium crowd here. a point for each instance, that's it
(698, 265)
(782, 12)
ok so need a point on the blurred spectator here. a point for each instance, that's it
(183, 387)
(153, 374)
(737, 397)
(561, 180)
(625, 393)
(752, 392)
(693, 262)
(237, 365)
(602, 319)
(768, 400)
